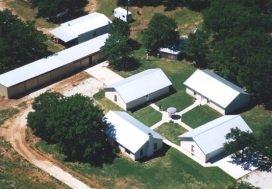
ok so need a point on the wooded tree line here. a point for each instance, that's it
(235, 40)
(74, 124)
(59, 10)
(20, 42)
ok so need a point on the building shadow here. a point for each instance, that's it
(157, 154)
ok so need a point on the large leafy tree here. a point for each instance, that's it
(251, 148)
(197, 48)
(75, 124)
(119, 27)
(60, 10)
(238, 142)
(161, 31)
(117, 51)
(20, 42)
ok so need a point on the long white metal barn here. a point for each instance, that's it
(45, 71)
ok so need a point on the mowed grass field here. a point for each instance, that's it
(169, 170)
(171, 131)
(199, 116)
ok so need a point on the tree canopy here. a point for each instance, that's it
(119, 27)
(161, 32)
(251, 148)
(20, 42)
(59, 10)
(74, 124)
(235, 41)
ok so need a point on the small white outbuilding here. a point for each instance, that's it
(216, 92)
(139, 89)
(207, 141)
(122, 14)
(134, 139)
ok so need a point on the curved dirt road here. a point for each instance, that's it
(14, 132)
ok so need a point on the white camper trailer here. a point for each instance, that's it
(122, 14)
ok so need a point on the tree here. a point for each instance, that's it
(117, 51)
(161, 31)
(119, 27)
(74, 124)
(238, 140)
(20, 42)
(257, 147)
(197, 48)
(241, 185)
(60, 10)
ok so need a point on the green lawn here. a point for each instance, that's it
(171, 131)
(199, 116)
(6, 114)
(147, 115)
(258, 117)
(172, 170)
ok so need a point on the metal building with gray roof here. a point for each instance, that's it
(133, 137)
(45, 71)
(206, 142)
(139, 89)
(218, 93)
(82, 29)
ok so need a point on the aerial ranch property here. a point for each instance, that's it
(140, 105)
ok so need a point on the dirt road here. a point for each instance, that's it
(14, 129)
(14, 132)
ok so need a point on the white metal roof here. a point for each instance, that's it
(122, 10)
(128, 131)
(55, 61)
(72, 29)
(141, 84)
(212, 135)
(214, 87)
(169, 51)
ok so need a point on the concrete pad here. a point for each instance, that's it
(234, 170)
(104, 74)
(259, 179)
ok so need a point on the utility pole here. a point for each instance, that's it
(128, 2)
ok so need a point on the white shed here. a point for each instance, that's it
(134, 139)
(217, 92)
(207, 141)
(82, 29)
(122, 14)
(139, 89)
